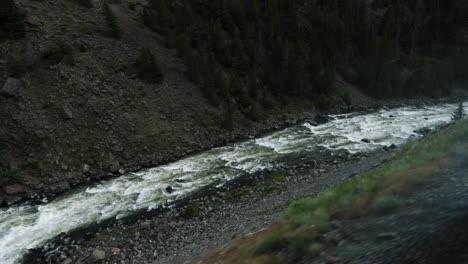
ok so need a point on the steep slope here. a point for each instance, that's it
(79, 111)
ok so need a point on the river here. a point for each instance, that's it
(23, 227)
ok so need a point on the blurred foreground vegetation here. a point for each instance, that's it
(297, 234)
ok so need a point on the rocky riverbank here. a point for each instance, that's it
(35, 190)
(181, 233)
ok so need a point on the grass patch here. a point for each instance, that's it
(271, 184)
(378, 191)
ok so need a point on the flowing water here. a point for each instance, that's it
(28, 226)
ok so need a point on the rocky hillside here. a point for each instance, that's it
(73, 108)
(88, 90)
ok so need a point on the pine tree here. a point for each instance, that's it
(459, 112)
(11, 20)
(111, 21)
(224, 84)
(148, 68)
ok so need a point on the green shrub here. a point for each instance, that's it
(459, 112)
(148, 68)
(58, 51)
(191, 211)
(111, 21)
(270, 243)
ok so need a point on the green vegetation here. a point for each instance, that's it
(11, 20)
(148, 68)
(380, 191)
(272, 184)
(58, 51)
(234, 195)
(191, 211)
(111, 21)
(263, 53)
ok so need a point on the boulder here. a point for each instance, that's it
(86, 168)
(169, 189)
(312, 123)
(365, 140)
(11, 87)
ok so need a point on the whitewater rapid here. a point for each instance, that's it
(28, 226)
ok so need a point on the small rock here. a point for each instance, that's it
(333, 237)
(169, 189)
(313, 123)
(321, 119)
(393, 146)
(97, 255)
(67, 114)
(116, 251)
(14, 189)
(67, 261)
(122, 171)
(11, 87)
(386, 148)
(316, 248)
(365, 140)
(86, 168)
(387, 236)
(423, 131)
